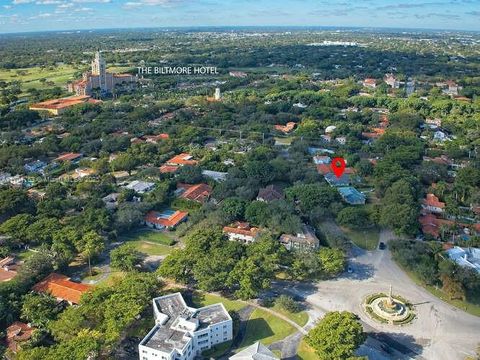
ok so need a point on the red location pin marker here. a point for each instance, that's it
(338, 166)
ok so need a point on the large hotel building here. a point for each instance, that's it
(99, 78)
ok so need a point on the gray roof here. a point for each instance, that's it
(171, 333)
(257, 351)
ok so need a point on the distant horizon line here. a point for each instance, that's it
(292, 27)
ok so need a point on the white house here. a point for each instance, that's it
(466, 257)
(241, 231)
(182, 332)
(141, 186)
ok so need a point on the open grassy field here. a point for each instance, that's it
(58, 75)
(204, 299)
(265, 327)
(301, 317)
(30, 77)
(365, 238)
(151, 242)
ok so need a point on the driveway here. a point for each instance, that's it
(440, 332)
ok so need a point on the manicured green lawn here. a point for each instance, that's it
(365, 238)
(59, 75)
(107, 280)
(305, 352)
(301, 317)
(204, 299)
(265, 327)
(150, 242)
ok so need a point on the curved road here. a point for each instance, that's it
(440, 332)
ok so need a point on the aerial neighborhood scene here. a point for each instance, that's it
(245, 180)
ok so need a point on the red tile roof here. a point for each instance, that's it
(182, 159)
(68, 157)
(241, 228)
(198, 192)
(165, 169)
(173, 220)
(286, 128)
(64, 102)
(324, 169)
(60, 287)
(16, 333)
(432, 200)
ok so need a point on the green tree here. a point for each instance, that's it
(336, 336)
(39, 309)
(93, 245)
(125, 257)
(332, 260)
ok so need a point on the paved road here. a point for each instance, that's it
(441, 331)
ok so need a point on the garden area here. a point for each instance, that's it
(151, 242)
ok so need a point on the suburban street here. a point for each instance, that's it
(440, 331)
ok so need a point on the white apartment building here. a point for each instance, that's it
(182, 332)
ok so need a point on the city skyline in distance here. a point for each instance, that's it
(61, 15)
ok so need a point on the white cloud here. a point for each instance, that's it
(91, 1)
(65, 6)
(7, 6)
(83, 9)
(48, 2)
(17, 2)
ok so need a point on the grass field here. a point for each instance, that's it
(305, 352)
(204, 299)
(150, 242)
(301, 317)
(365, 238)
(265, 327)
(59, 75)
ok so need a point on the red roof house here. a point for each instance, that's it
(199, 192)
(432, 204)
(182, 159)
(69, 157)
(62, 288)
(241, 231)
(165, 220)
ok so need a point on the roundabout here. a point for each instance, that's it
(389, 309)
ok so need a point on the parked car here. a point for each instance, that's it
(382, 246)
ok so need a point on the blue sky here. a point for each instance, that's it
(35, 15)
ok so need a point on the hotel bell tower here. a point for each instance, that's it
(99, 69)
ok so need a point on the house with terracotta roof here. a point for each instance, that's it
(154, 139)
(71, 157)
(18, 333)
(370, 83)
(324, 169)
(62, 288)
(287, 128)
(198, 192)
(182, 160)
(168, 169)
(432, 204)
(241, 231)
(167, 219)
(270, 193)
